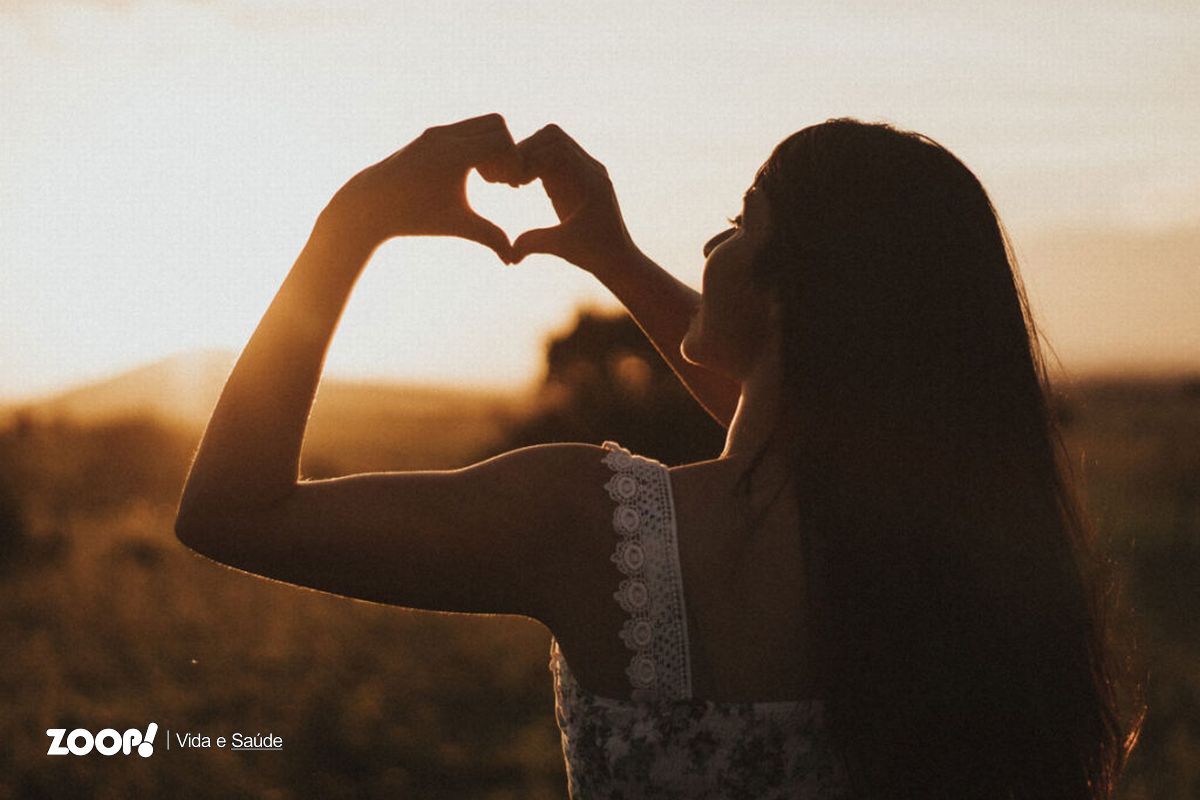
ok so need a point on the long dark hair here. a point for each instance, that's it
(959, 606)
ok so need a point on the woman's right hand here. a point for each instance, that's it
(591, 232)
(420, 190)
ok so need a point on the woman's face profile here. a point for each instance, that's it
(727, 330)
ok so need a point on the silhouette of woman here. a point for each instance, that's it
(882, 587)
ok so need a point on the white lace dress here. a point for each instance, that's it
(661, 741)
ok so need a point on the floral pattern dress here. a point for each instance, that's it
(662, 741)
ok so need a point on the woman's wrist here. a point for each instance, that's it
(339, 230)
(616, 268)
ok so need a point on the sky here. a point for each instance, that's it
(162, 163)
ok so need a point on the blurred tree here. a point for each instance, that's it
(605, 380)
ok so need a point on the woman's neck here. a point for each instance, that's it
(757, 423)
(757, 439)
(753, 422)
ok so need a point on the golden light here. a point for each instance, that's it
(162, 163)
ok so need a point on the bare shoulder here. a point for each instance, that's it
(704, 486)
(498, 536)
(744, 577)
(704, 493)
(564, 479)
(551, 457)
(567, 480)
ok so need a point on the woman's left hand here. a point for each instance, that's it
(421, 189)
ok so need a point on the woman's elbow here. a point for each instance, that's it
(204, 526)
(194, 529)
(215, 502)
(228, 532)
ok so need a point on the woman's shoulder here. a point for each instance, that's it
(565, 463)
(559, 461)
(569, 476)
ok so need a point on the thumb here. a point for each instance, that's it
(478, 229)
(538, 240)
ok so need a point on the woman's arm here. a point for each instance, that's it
(494, 537)
(592, 235)
(249, 456)
(250, 453)
(663, 307)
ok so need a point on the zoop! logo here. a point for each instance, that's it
(107, 742)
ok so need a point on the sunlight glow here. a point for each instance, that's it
(161, 164)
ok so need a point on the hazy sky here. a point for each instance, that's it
(161, 164)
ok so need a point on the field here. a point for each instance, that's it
(109, 622)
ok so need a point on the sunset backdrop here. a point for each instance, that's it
(161, 163)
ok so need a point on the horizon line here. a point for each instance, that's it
(1114, 370)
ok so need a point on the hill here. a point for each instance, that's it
(355, 425)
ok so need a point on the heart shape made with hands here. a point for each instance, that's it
(514, 209)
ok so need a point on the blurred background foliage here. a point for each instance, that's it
(604, 380)
(110, 622)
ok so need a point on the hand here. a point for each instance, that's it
(591, 232)
(421, 189)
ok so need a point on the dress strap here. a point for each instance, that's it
(651, 593)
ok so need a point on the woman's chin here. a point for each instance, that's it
(690, 348)
(694, 351)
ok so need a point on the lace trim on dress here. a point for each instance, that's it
(647, 554)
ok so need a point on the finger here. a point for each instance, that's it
(538, 240)
(493, 153)
(473, 125)
(548, 157)
(541, 135)
(478, 229)
(535, 150)
(551, 150)
(574, 146)
(553, 135)
(507, 167)
(546, 134)
(515, 171)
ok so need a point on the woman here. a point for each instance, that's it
(882, 586)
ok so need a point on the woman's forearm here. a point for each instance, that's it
(249, 458)
(592, 235)
(663, 307)
(250, 454)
